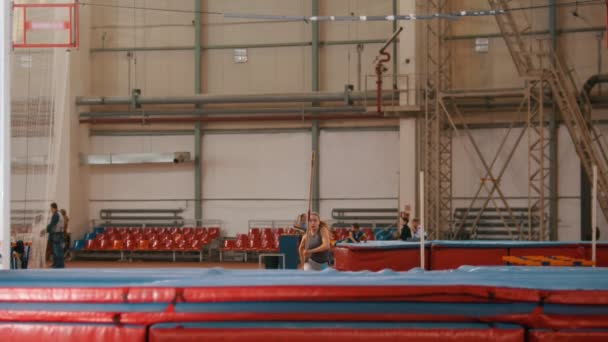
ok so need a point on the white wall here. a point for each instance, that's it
(255, 177)
(131, 186)
(357, 169)
(251, 176)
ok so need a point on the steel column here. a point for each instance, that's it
(438, 154)
(553, 133)
(315, 88)
(395, 56)
(198, 139)
(5, 134)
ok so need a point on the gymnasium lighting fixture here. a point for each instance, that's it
(136, 158)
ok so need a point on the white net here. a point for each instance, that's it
(39, 83)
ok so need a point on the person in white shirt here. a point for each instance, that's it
(417, 230)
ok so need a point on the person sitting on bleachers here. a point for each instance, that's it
(417, 230)
(405, 232)
(385, 234)
(355, 235)
(300, 224)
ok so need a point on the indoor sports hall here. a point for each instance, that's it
(304, 170)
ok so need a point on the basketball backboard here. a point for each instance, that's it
(45, 25)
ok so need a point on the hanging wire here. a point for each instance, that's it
(307, 19)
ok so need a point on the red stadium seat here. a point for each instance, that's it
(267, 231)
(151, 237)
(188, 237)
(117, 245)
(167, 245)
(280, 231)
(175, 230)
(205, 239)
(214, 232)
(143, 245)
(104, 244)
(181, 245)
(255, 245)
(155, 245)
(163, 237)
(369, 234)
(110, 230)
(188, 230)
(100, 236)
(177, 237)
(196, 246)
(229, 245)
(242, 242)
(275, 246)
(129, 245)
(162, 230)
(254, 231)
(91, 244)
(200, 231)
(136, 231)
(265, 246)
(267, 236)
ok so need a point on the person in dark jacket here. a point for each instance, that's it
(55, 230)
(405, 232)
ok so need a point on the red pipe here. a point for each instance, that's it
(101, 121)
(379, 70)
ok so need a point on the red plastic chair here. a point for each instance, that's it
(255, 245)
(104, 245)
(196, 246)
(267, 231)
(143, 245)
(280, 231)
(200, 231)
(181, 245)
(155, 245)
(177, 238)
(266, 246)
(117, 245)
(129, 245)
(242, 241)
(229, 245)
(91, 244)
(100, 236)
(269, 237)
(110, 230)
(167, 245)
(369, 234)
(189, 237)
(175, 230)
(254, 231)
(137, 231)
(163, 237)
(275, 246)
(188, 230)
(214, 232)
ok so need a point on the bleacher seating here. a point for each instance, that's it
(149, 239)
(258, 240)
